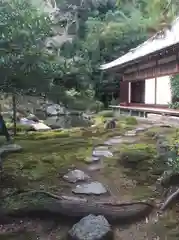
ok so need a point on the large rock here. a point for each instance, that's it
(38, 126)
(95, 188)
(75, 176)
(91, 228)
(55, 109)
(169, 178)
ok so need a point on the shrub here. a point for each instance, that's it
(131, 121)
(132, 155)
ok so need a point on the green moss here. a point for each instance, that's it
(24, 200)
(148, 148)
(137, 160)
(150, 133)
(131, 121)
(42, 160)
(19, 127)
(106, 113)
(19, 235)
(47, 135)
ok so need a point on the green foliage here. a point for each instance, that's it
(23, 61)
(106, 113)
(131, 121)
(103, 32)
(175, 91)
(135, 154)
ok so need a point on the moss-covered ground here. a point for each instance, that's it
(130, 174)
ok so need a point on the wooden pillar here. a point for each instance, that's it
(129, 92)
(155, 97)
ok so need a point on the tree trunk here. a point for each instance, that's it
(14, 113)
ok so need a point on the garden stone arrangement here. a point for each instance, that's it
(95, 204)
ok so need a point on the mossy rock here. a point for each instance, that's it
(132, 155)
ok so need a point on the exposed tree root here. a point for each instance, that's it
(58, 208)
(170, 200)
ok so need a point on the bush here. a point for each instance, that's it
(133, 155)
(131, 121)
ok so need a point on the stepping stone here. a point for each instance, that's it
(141, 129)
(130, 133)
(75, 176)
(102, 148)
(114, 140)
(92, 159)
(91, 228)
(102, 153)
(95, 188)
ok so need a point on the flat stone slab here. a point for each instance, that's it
(131, 133)
(102, 153)
(114, 140)
(95, 188)
(91, 228)
(141, 129)
(75, 176)
(92, 159)
(10, 148)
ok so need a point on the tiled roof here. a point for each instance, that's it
(150, 46)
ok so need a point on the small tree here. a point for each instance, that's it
(23, 56)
